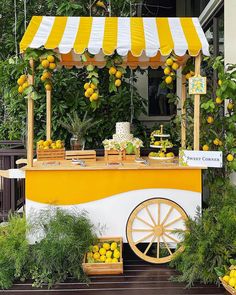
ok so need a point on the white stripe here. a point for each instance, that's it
(43, 32)
(151, 36)
(124, 36)
(96, 36)
(180, 42)
(202, 37)
(68, 38)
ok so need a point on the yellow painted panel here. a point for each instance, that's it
(30, 32)
(191, 35)
(76, 187)
(57, 32)
(83, 35)
(137, 36)
(165, 37)
(110, 35)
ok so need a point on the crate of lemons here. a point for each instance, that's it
(50, 150)
(228, 277)
(105, 257)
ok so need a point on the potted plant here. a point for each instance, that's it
(78, 128)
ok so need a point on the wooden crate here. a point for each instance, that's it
(51, 154)
(88, 155)
(114, 156)
(105, 268)
(227, 287)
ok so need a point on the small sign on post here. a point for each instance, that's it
(210, 159)
(197, 85)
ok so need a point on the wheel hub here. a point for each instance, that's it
(158, 230)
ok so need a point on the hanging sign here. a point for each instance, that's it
(197, 85)
(201, 159)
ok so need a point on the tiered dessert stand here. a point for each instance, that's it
(162, 148)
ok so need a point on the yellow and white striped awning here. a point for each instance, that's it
(141, 41)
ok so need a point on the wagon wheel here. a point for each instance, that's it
(154, 221)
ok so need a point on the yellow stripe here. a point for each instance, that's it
(110, 35)
(56, 33)
(165, 37)
(83, 34)
(194, 43)
(137, 36)
(58, 187)
(30, 32)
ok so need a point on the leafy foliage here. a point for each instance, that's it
(210, 241)
(66, 239)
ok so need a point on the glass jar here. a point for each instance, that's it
(77, 143)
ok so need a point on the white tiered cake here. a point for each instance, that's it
(122, 132)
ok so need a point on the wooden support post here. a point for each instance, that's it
(49, 114)
(30, 135)
(196, 134)
(183, 112)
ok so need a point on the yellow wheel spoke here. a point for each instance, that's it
(150, 215)
(141, 230)
(167, 247)
(173, 221)
(158, 213)
(149, 245)
(167, 215)
(145, 222)
(171, 238)
(158, 247)
(144, 238)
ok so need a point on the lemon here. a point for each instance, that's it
(220, 142)
(192, 73)
(218, 100)
(108, 260)
(20, 81)
(40, 142)
(170, 155)
(162, 155)
(86, 94)
(89, 255)
(47, 75)
(96, 255)
(205, 148)
(232, 282)
(45, 63)
(25, 85)
(108, 254)
(187, 76)
(106, 246)
(168, 79)
(20, 89)
(43, 78)
(58, 145)
(46, 148)
(48, 87)
(167, 71)
(118, 82)
(52, 65)
(118, 74)
(103, 258)
(232, 273)
(113, 246)
(46, 143)
(219, 82)
(58, 141)
(93, 86)
(116, 254)
(94, 96)
(90, 91)
(210, 120)
(100, 4)
(112, 71)
(157, 143)
(226, 279)
(53, 146)
(230, 158)
(114, 260)
(51, 58)
(216, 141)
(169, 61)
(23, 77)
(175, 66)
(102, 251)
(230, 106)
(95, 248)
(86, 86)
